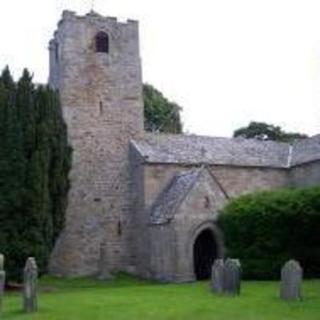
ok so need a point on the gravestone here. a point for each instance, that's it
(291, 281)
(30, 279)
(1, 261)
(2, 280)
(217, 274)
(232, 277)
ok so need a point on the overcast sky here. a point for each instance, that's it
(226, 62)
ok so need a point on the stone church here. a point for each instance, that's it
(146, 203)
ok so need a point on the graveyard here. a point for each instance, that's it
(129, 298)
(106, 219)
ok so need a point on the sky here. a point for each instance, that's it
(225, 62)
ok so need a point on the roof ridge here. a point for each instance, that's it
(184, 135)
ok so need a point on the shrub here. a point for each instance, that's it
(265, 229)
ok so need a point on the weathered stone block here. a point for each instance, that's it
(104, 270)
(291, 281)
(217, 275)
(30, 279)
(232, 277)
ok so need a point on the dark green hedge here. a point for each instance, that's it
(265, 229)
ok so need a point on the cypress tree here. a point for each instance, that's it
(34, 165)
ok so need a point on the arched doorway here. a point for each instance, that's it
(205, 251)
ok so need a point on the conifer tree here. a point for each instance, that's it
(34, 165)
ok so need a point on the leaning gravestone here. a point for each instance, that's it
(2, 280)
(217, 274)
(30, 278)
(232, 277)
(291, 281)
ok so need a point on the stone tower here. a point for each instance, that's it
(95, 65)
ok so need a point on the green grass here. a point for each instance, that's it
(128, 299)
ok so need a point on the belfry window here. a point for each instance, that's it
(102, 42)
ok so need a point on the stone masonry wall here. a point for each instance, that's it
(234, 180)
(153, 242)
(139, 219)
(101, 95)
(171, 249)
(306, 175)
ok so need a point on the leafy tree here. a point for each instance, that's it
(264, 131)
(160, 114)
(34, 163)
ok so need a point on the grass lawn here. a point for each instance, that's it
(127, 298)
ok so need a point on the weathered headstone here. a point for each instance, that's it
(30, 278)
(217, 274)
(1, 261)
(291, 281)
(232, 277)
(2, 280)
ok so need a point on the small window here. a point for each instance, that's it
(206, 202)
(102, 42)
(119, 228)
(56, 51)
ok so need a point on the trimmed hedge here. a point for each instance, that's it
(265, 229)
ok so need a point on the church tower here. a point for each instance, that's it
(95, 65)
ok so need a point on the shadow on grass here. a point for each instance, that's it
(50, 284)
(15, 313)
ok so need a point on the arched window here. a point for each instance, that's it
(102, 42)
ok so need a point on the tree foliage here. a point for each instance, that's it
(265, 229)
(34, 163)
(160, 114)
(264, 131)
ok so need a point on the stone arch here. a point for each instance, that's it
(102, 42)
(202, 233)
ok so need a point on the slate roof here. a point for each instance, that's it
(193, 149)
(306, 150)
(172, 196)
(169, 200)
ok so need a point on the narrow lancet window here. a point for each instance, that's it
(102, 42)
(56, 51)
